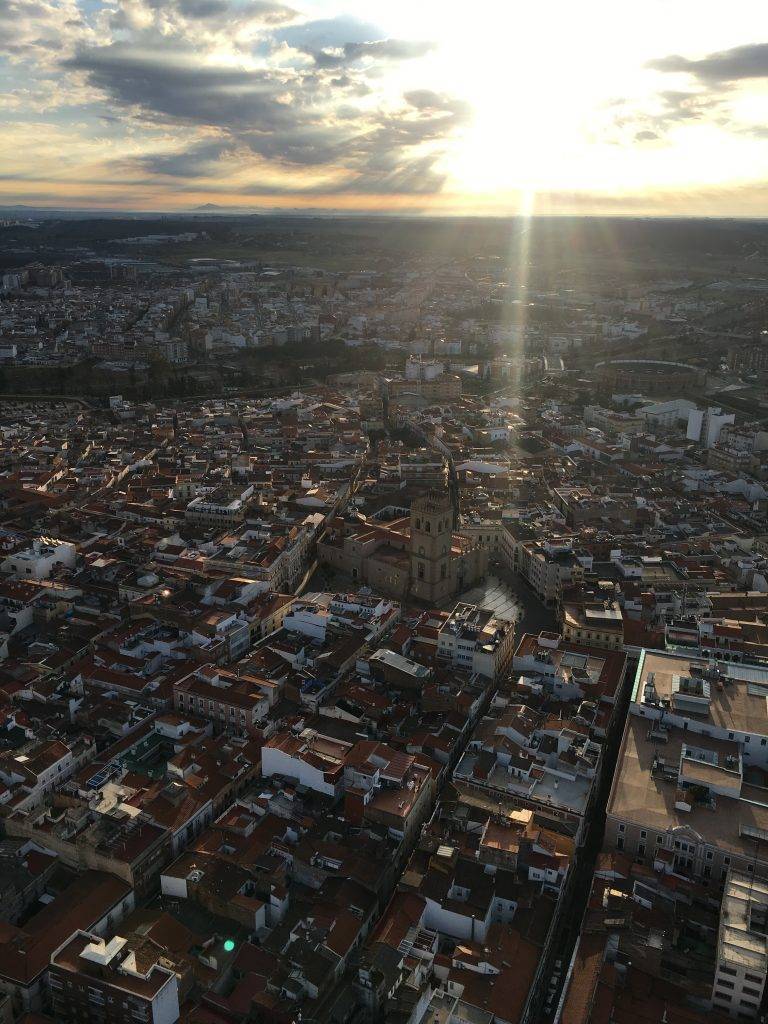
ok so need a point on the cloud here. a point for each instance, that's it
(200, 90)
(178, 85)
(382, 152)
(737, 64)
(326, 33)
(194, 162)
(264, 11)
(289, 116)
(381, 49)
(40, 30)
(339, 42)
(666, 110)
(714, 77)
(392, 176)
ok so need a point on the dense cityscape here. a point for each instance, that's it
(383, 630)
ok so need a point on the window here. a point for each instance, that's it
(729, 970)
(421, 571)
(643, 833)
(751, 991)
(724, 984)
(620, 843)
(749, 977)
(622, 827)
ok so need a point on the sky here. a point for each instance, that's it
(488, 107)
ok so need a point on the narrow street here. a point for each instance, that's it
(567, 924)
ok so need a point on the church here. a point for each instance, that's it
(417, 558)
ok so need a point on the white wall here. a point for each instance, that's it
(277, 762)
(172, 886)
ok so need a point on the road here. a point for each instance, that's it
(567, 924)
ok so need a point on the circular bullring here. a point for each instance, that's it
(649, 376)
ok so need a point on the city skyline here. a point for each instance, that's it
(550, 108)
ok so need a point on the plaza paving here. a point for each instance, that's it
(497, 596)
(511, 598)
(507, 595)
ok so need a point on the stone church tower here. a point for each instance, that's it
(432, 579)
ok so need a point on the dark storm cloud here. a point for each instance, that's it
(266, 11)
(269, 113)
(186, 90)
(195, 162)
(737, 64)
(379, 49)
(374, 152)
(374, 149)
(299, 117)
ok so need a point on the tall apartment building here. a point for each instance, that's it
(689, 795)
(475, 640)
(593, 622)
(233, 703)
(705, 425)
(549, 567)
(584, 507)
(93, 981)
(220, 510)
(742, 948)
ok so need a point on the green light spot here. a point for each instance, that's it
(229, 945)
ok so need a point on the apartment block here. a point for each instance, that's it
(93, 980)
